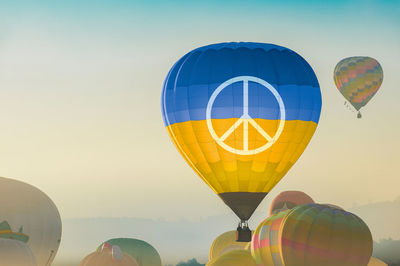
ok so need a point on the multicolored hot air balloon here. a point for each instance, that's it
(241, 114)
(315, 234)
(358, 78)
(144, 253)
(108, 256)
(234, 258)
(27, 209)
(288, 200)
(265, 245)
(224, 243)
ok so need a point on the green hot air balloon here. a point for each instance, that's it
(144, 253)
(358, 78)
(108, 256)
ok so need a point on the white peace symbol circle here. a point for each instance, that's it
(246, 119)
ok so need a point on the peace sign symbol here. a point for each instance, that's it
(246, 119)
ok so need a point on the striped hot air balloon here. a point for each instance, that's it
(358, 78)
(314, 235)
(265, 243)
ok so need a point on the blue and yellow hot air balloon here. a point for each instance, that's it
(241, 114)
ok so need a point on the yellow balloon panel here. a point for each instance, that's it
(233, 258)
(229, 171)
(224, 243)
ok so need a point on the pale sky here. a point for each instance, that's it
(80, 97)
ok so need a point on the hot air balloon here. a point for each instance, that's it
(28, 210)
(315, 234)
(109, 256)
(358, 78)
(288, 200)
(15, 253)
(265, 243)
(241, 114)
(248, 247)
(224, 243)
(144, 253)
(233, 258)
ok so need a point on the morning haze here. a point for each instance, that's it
(81, 86)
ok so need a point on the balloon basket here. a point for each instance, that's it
(243, 233)
(359, 114)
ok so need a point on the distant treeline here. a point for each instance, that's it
(388, 250)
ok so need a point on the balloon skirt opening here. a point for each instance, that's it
(243, 204)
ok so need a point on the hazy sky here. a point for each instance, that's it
(80, 85)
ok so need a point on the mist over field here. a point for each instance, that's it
(182, 240)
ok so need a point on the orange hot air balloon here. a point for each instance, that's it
(288, 200)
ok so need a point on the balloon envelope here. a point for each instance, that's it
(108, 256)
(15, 253)
(233, 258)
(26, 208)
(358, 79)
(224, 243)
(333, 206)
(241, 114)
(315, 234)
(144, 253)
(265, 245)
(288, 200)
